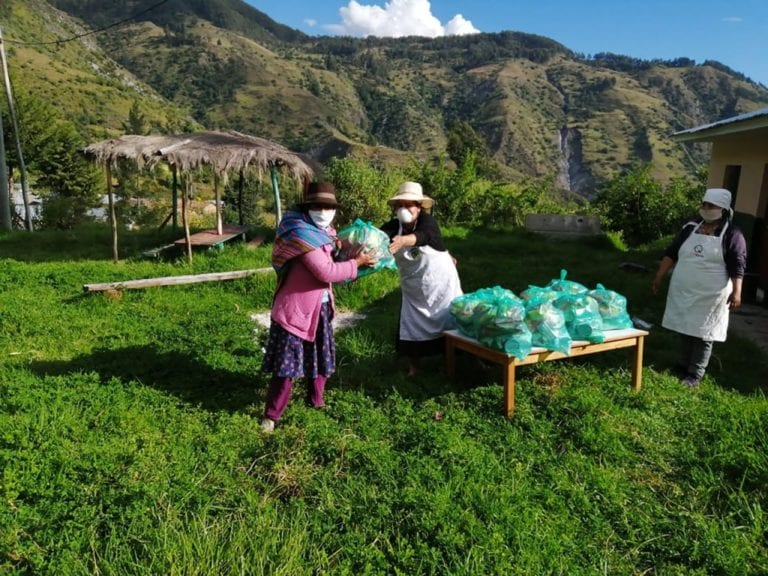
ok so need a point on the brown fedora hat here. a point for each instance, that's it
(320, 193)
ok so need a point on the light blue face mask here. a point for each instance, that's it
(322, 218)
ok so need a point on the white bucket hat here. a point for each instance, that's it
(719, 197)
(411, 192)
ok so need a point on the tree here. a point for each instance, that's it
(60, 173)
(136, 123)
(466, 145)
(643, 210)
(362, 189)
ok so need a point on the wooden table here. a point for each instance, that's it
(614, 339)
(212, 239)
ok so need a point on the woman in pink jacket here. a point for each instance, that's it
(301, 343)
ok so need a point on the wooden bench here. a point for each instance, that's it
(614, 339)
(155, 253)
(212, 239)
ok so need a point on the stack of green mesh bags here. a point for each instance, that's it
(550, 317)
(496, 318)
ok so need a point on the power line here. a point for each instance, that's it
(123, 21)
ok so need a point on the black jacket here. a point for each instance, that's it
(427, 231)
(734, 247)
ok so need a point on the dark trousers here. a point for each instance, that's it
(694, 355)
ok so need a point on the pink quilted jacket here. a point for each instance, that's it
(297, 303)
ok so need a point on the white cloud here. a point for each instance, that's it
(733, 19)
(458, 25)
(397, 18)
(311, 22)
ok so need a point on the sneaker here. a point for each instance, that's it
(690, 381)
(267, 426)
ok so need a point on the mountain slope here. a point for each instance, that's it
(90, 88)
(543, 111)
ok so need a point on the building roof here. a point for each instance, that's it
(747, 122)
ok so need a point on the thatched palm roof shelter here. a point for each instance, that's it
(223, 152)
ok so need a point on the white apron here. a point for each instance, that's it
(429, 282)
(697, 300)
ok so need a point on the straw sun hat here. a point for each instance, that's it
(411, 192)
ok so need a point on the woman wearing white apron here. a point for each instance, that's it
(428, 277)
(709, 258)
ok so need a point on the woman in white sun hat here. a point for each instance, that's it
(429, 280)
(709, 257)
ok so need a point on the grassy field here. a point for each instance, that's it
(129, 440)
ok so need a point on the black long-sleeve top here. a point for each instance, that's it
(427, 231)
(734, 247)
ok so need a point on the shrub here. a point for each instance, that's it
(643, 210)
(362, 189)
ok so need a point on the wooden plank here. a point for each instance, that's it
(173, 280)
(155, 252)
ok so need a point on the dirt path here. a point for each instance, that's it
(751, 321)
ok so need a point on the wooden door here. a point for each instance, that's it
(763, 231)
(763, 256)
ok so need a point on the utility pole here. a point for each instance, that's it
(14, 123)
(5, 197)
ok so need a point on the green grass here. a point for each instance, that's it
(129, 439)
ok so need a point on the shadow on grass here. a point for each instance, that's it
(92, 241)
(368, 362)
(182, 375)
(737, 365)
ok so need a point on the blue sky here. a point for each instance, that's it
(731, 32)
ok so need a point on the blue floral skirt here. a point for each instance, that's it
(289, 356)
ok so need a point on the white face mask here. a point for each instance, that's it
(322, 218)
(711, 214)
(404, 215)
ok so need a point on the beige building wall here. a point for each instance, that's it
(750, 151)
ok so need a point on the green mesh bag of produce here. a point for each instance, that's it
(567, 286)
(613, 308)
(364, 236)
(547, 323)
(582, 317)
(496, 318)
(533, 292)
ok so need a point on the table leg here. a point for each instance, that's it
(509, 388)
(637, 364)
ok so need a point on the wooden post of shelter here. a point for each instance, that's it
(112, 214)
(15, 126)
(174, 200)
(217, 196)
(5, 196)
(184, 218)
(240, 184)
